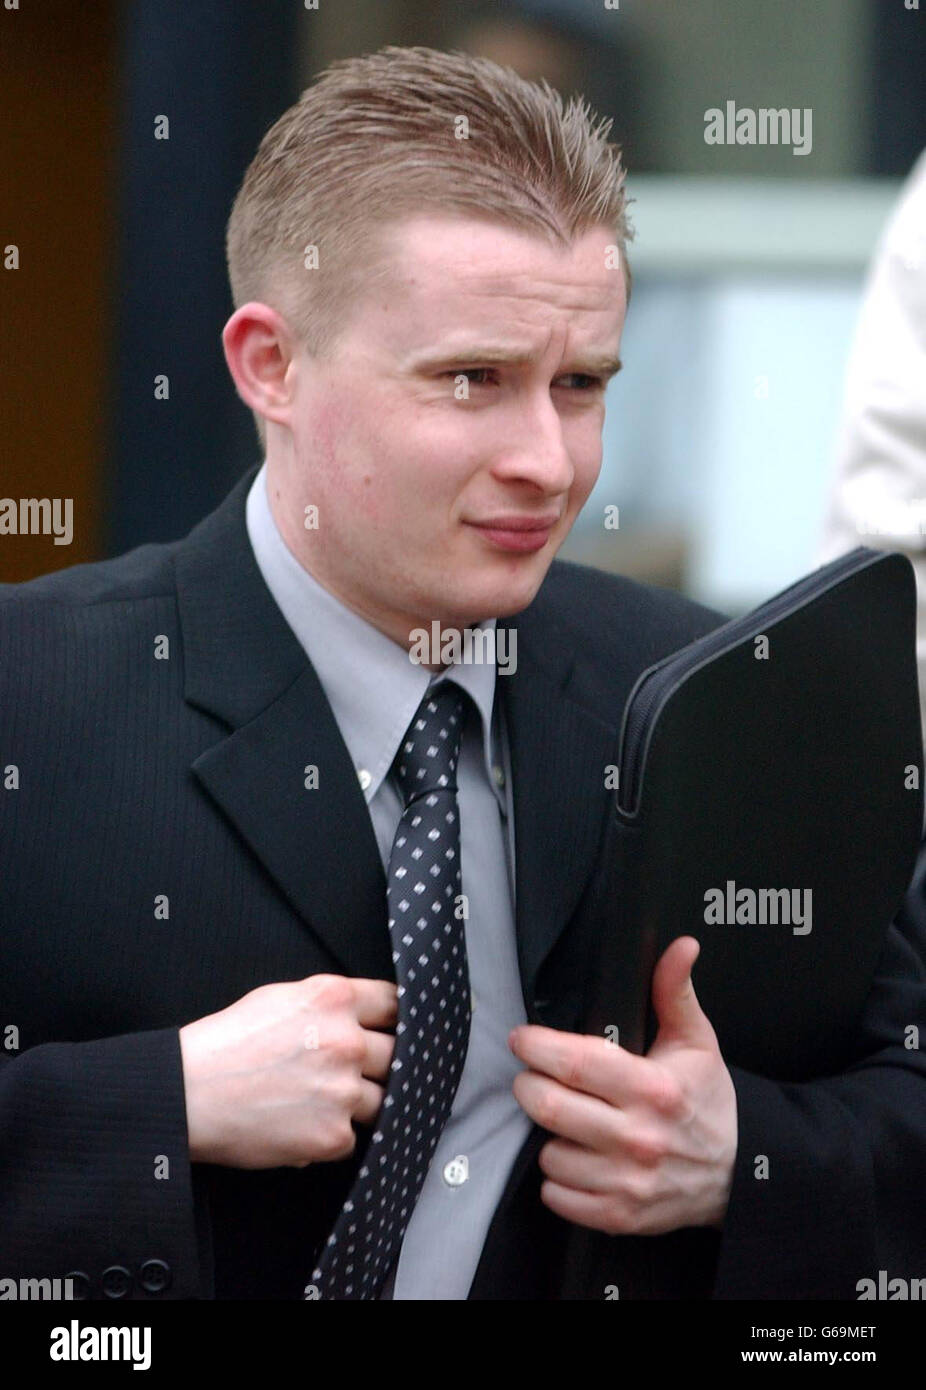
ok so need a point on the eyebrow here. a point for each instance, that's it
(592, 364)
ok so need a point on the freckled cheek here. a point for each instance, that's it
(388, 499)
(340, 459)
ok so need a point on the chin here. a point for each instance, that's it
(493, 595)
(514, 595)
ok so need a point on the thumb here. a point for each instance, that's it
(680, 1016)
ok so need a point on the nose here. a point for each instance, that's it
(533, 449)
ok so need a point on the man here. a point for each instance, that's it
(298, 914)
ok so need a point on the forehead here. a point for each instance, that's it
(433, 262)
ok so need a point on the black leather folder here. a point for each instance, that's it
(770, 804)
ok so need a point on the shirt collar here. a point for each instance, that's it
(353, 658)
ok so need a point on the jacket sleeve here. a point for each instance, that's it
(839, 1196)
(95, 1175)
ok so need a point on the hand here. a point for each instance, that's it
(277, 1078)
(646, 1144)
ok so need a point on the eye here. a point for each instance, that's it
(583, 382)
(470, 372)
(590, 383)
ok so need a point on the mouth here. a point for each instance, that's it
(521, 534)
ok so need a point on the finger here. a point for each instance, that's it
(376, 1003)
(371, 1101)
(582, 1208)
(681, 1018)
(571, 1114)
(586, 1062)
(380, 1047)
(574, 1166)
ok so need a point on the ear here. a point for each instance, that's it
(259, 349)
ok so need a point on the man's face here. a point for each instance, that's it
(420, 490)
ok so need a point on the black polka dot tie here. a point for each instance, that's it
(432, 1032)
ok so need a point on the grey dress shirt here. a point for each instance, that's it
(374, 690)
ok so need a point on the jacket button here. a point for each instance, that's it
(117, 1281)
(80, 1284)
(155, 1276)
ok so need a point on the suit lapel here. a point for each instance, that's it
(559, 750)
(244, 666)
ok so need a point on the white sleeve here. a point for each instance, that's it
(878, 493)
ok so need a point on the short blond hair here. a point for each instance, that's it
(377, 139)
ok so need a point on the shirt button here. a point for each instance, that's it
(155, 1276)
(364, 778)
(456, 1171)
(117, 1281)
(499, 774)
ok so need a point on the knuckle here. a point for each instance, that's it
(575, 1070)
(666, 1096)
(257, 996)
(625, 1218)
(348, 1046)
(647, 1149)
(348, 1140)
(349, 1093)
(614, 1223)
(329, 991)
(548, 1108)
(339, 1141)
(636, 1193)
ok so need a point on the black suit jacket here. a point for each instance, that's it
(161, 857)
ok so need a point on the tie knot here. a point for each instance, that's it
(427, 756)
